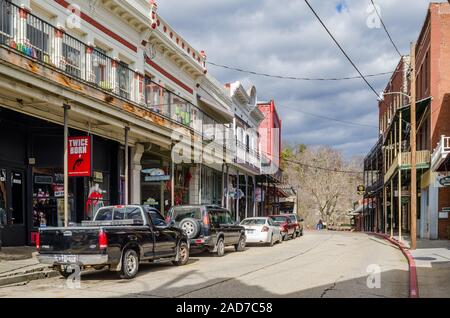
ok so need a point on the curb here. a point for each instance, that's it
(10, 280)
(413, 282)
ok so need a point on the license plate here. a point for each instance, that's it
(250, 230)
(67, 259)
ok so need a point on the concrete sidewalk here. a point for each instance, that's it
(432, 259)
(20, 265)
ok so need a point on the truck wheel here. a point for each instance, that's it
(240, 246)
(220, 247)
(65, 271)
(183, 255)
(130, 264)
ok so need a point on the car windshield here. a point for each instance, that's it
(293, 218)
(253, 222)
(181, 213)
(279, 219)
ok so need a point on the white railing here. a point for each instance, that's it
(441, 152)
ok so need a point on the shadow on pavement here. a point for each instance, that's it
(394, 284)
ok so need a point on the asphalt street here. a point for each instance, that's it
(319, 264)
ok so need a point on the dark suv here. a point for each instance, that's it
(208, 227)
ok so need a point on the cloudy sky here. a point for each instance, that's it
(284, 38)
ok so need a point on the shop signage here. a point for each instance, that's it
(155, 175)
(236, 194)
(444, 213)
(79, 156)
(43, 180)
(445, 181)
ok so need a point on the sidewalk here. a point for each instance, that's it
(19, 265)
(432, 259)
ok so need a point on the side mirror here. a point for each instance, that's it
(171, 223)
(301, 220)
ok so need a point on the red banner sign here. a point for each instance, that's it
(79, 156)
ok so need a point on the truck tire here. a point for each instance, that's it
(191, 227)
(183, 255)
(240, 246)
(65, 270)
(220, 247)
(130, 264)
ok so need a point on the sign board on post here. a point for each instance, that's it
(79, 156)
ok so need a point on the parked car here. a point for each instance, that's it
(287, 227)
(298, 223)
(119, 238)
(262, 230)
(208, 227)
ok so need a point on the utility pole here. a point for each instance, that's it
(66, 165)
(413, 149)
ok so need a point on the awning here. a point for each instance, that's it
(208, 100)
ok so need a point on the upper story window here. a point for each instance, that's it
(5, 21)
(123, 80)
(71, 53)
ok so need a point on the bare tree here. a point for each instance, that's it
(326, 188)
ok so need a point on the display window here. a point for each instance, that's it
(98, 195)
(48, 197)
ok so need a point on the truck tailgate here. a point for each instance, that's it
(72, 240)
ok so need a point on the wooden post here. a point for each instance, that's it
(400, 178)
(413, 149)
(127, 159)
(385, 208)
(392, 207)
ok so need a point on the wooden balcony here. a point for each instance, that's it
(403, 162)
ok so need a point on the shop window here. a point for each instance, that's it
(98, 195)
(3, 198)
(48, 197)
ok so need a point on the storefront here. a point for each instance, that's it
(31, 177)
(212, 186)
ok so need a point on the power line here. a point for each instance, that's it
(342, 50)
(233, 68)
(385, 29)
(322, 168)
(330, 118)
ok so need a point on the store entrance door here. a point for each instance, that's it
(12, 206)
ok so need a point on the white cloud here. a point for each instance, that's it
(283, 37)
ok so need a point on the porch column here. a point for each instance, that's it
(246, 195)
(400, 179)
(238, 217)
(113, 75)
(66, 165)
(127, 172)
(90, 76)
(21, 34)
(136, 168)
(58, 57)
(392, 207)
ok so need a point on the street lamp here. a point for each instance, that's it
(382, 94)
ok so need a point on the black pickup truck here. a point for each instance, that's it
(119, 238)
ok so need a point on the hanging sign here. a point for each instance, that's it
(79, 156)
(445, 181)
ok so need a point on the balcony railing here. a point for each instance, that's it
(41, 41)
(423, 159)
(440, 153)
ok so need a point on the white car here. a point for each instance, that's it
(262, 230)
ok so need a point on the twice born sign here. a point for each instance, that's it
(79, 156)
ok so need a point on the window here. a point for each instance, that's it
(123, 76)
(99, 69)
(5, 22)
(157, 219)
(38, 35)
(72, 57)
(218, 217)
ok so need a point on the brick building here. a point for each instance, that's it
(392, 211)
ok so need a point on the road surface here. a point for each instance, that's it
(319, 264)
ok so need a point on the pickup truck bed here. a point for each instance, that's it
(101, 243)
